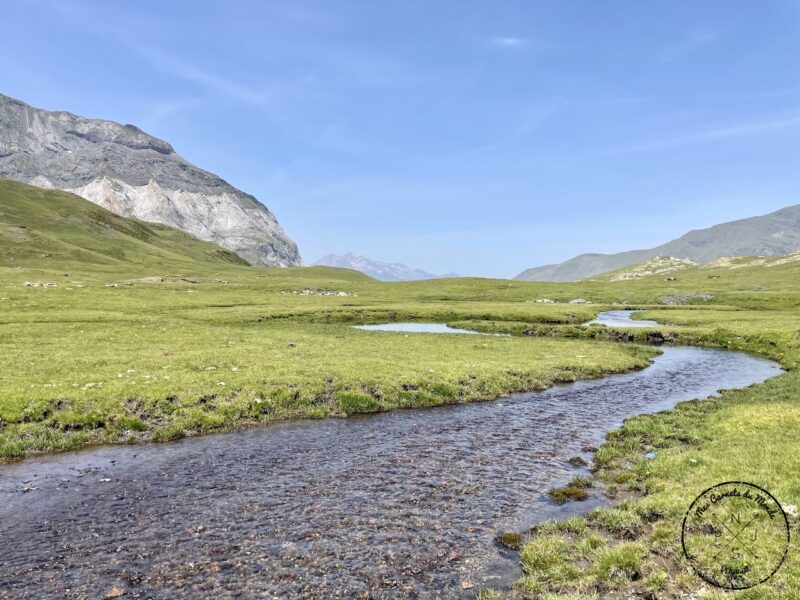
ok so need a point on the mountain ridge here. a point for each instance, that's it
(134, 174)
(774, 234)
(383, 271)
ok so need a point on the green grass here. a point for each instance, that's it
(45, 227)
(621, 561)
(89, 378)
(189, 340)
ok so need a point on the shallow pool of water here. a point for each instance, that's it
(414, 328)
(621, 318)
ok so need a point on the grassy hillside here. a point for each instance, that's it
(50, 228)
(774, 234)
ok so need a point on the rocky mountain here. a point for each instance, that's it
(379, 270)
(775, 234)
(133, 174)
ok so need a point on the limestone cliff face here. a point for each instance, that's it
(136, 175)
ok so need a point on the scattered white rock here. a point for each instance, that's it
(654, 266)
(786, 259)
(684, 298)
(319, 292)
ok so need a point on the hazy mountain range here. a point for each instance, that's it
(379, 270)
(133, 174)
(775, 234)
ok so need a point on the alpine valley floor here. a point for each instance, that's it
(116, 331)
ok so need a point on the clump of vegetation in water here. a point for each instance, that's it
(510, 539)
(577, 489)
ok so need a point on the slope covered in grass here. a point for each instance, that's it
(52, 228)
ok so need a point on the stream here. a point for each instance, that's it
(403, 504)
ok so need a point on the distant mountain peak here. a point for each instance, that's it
(774, 234)
(133, 174)
(383, 271)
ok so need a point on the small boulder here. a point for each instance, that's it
(577, 461)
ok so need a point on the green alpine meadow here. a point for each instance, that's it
(118, 331)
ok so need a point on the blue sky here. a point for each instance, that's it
(453, 135)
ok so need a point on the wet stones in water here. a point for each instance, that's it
(577, 461)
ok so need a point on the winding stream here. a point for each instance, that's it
(620, 318)
(402, 504)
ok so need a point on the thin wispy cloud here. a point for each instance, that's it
(508, 42)
(741, 130)
(695, 41)
(177, 67)
(529, 122)
(154, 114)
